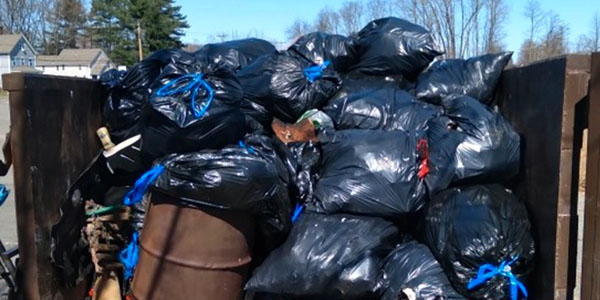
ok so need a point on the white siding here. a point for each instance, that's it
(4, 66)
(72, 71)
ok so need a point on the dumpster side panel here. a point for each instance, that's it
(590, 278)
(54, 121)
(531, 98)
(574, 120)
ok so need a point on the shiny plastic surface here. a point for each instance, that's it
(318, 47)
(370, 172)
(392, 46)
(442, 145)
(307, 160)
(482, 224)
(251, 179)
(475, 77)
(235, 54)
(490, 150)
(381, 108)
(169, 124)
(277, 83)
(128, 92)
(336, 255)
(411, 269)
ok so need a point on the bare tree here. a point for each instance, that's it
(298, 28)
(535, 17)
(26, 17)
(591, 42)
(377, 9)
(454, 22)
(351, 16)
(327, 21)
(553, 40)
(531, 48)
(497, 12)
(192, 47)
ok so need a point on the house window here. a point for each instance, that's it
(63, 66)
(14, 62)
(43, 68)
(56, 68)
(79, 67)
(22, 61)
(31, 62)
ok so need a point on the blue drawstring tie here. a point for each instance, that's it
(130, 255)
(250, 149)
(313, 73)
(297, 211)
(3, 194)
(488, 271)
(196, 81)
(136, 193)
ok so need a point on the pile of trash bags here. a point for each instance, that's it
(331, 146)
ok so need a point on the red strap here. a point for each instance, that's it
(423, 149)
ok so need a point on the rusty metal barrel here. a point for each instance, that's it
(192, 253)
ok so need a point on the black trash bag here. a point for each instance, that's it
(356, 82)
(392, 46)
(467, 228)
(440, 153)
(335, 255)
(194, 107)
(411, 272)
(318, 47)
(306, 160)
(111, 78)
(278, 83)
(370, 172)
(490, 148)
(236, 54)
(475, 77)
(381, 108)
(249, 178)
(128, 92)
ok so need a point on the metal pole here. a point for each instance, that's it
(139, 38)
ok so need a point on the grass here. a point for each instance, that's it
(3, 93)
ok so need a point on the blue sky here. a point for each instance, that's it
(268, 19)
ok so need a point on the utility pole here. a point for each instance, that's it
(139, 38)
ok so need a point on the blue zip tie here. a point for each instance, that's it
(3, 193)
(137, 192)
(130, 255)
(488, 271)
(297, 211)
(250, 149)
(196, 82)
(313, 73)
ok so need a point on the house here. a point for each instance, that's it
(16, 55)
(87, 63)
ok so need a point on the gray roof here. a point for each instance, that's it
(70, 57)
(102, 65)
(8, 42)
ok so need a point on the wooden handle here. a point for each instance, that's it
(104, 136)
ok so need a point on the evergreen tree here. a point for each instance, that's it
(114, 27)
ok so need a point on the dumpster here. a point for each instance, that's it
(549, 103)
